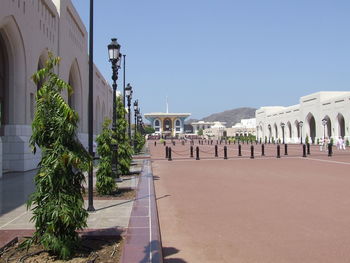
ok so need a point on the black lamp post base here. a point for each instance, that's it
(119, 180)
(90, 209)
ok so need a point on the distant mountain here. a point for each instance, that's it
(189, 121)
(231, 117)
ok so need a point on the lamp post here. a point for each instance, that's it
(269, 127)
(115, 59)
(139, 122)
(282, 126)
(301, 131)
(128, 94)
(136, 103)
(324, 123)
(91, 106)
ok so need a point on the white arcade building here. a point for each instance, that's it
(319, 114)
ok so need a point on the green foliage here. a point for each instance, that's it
(124, 147)
(332, 141)
(265, 139)
(149, 129)
(105, 180)
(347, 143)
(139, 142)
(272, 139)
(200, 132)
(161, 141)
(318, 141)
(307, 139)
(57, 203)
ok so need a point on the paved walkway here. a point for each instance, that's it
(254, 210)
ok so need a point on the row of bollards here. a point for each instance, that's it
(306, 151)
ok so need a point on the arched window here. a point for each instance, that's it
(157, 125)
(177, 123)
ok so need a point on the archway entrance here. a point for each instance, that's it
(4, 83)
(167, 127)
(312, 127)
(276, 131)
(74, 99)
(297, 128)
(341, 125)
(328, 128)
(289, 125)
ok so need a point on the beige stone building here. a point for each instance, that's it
(28, 30)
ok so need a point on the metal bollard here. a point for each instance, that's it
(304, 150)
(169, 154)
(217, 142)
(166, 152)
(330, 150)
(216, 151)
(174, 143)
(197, 153)
(278, 151)
(239, 150)
(220, 142)
(164, 143)
(285, 149)
(308, 148)
(183, 143)
(262, 150)
(191, 151)
(252, 152)
(229, 142)
(225, 152)
(155, 143)
(211, 142)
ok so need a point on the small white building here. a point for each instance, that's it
(202, 125)
(216, 130)
(244, 128)
(318, 115)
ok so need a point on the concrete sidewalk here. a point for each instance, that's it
(15, 219)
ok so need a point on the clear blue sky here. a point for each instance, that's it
(213, 55)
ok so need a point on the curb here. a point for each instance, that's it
(142, 239)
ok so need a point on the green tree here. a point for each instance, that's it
(57, 203)
(105, 181)
(139, 142)
(124, 147)
(149, 129)
(200, 132)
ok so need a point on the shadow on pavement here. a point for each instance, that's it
(15, 187)
(168, 251)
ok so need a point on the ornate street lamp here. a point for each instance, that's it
(136, 108)
(324, 123)
(139, 120)
(301, 131)
(128, 94)
(115, 59)
(282, 126)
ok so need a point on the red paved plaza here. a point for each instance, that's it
(291, 209)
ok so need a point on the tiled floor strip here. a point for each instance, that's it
(143, 240)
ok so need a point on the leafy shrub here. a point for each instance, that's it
(57, 203)
(105, 179)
